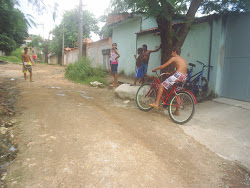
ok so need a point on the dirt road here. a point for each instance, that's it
(72, 135)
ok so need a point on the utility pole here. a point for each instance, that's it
(63, 48)
(80, 32)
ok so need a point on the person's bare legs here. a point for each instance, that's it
(159, 94)
(115, 79)
(24, 75)
(135, 80)
(31, 76)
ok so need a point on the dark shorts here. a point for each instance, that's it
(145, 68)
(114, 68)
(28, 67)
(139, 72)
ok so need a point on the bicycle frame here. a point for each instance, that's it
(156, 84)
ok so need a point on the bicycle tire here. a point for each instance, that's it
(200, 95)
(145, 96)
(186, 110)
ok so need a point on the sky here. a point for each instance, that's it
(45, 22)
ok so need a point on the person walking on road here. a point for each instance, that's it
(26, 60)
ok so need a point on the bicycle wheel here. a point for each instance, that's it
(200, 94)
(145, 96)
(181, 107)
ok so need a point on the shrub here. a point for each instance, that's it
(82, 72)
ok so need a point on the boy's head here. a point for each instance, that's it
(176, 51)
(25, 49)
(139, 50)
(144, 47)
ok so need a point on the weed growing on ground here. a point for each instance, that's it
(82, 72)
(15, 56)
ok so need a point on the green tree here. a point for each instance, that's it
(164, 11)
(69, 26)
(13, 26)
(37, 41)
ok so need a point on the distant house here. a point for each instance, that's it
(26, 42)
(97, 51)
(220, 41)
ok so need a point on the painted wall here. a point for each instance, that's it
(148, 23)
(95, 51)
(2, 53)
(196, 46)
(217, 56)
(125, 37)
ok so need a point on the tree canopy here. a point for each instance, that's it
(69, 26)
(13, 26)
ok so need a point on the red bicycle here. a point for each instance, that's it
(177, 99)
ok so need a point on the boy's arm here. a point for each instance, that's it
(171, 60)
(23, 60)
(156, 50)
(117, 54)
(135, 57)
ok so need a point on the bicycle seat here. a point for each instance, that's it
(179, 84)
(191, 64)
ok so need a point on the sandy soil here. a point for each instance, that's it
(73, 135)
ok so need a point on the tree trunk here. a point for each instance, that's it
(165, 28)
(184, 29)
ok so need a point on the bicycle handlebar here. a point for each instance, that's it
(209, 66)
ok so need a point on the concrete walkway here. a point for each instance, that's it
(223, 125)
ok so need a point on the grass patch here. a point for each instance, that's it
(15, 56)
(82, 72)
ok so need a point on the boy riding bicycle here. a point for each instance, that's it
(179, 75)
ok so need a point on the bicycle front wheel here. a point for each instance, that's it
(181, 107)
(145, 96)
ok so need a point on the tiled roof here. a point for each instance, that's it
(155, 29)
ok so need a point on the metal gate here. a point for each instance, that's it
(236, 66)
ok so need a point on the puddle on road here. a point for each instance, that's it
(87, 97)
(61, 94)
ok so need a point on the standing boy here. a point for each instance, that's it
(27, 63)
(139, 66)
(146, 56)
(178, 75)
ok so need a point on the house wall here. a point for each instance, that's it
(217, 56)
(70, 57)
(52, 60)
(2, 53)
(148, 23)
(125, 37)
(94, 51)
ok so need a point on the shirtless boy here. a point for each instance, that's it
(178, 75)
(27, 63)
(146, 56)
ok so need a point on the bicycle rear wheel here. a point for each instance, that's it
(201, 92)
(181, 107)
(145, 96)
